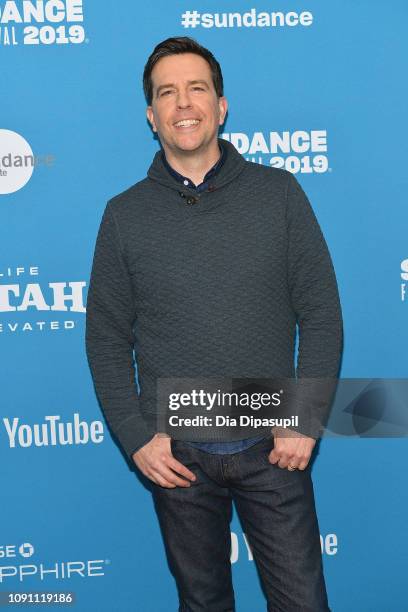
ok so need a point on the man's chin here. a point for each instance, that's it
(188, 146)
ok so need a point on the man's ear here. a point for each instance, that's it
(150, 118)
(223, 107)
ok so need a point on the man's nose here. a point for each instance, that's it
(183, 99)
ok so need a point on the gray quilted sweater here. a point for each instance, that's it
(211, 284)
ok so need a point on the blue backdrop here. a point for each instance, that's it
(318, 89)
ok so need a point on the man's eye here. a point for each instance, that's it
(165, 92)
(199, 88)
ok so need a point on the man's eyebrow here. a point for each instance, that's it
(198, 81)
(164, 87)
(194, 82)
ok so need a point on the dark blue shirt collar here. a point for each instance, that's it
(184, 180)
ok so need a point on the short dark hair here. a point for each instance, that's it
(175, 46)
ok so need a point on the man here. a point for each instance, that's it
(204, 269)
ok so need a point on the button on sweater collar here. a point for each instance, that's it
(207, 178)
(233, 164)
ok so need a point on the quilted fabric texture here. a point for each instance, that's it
(210, 284)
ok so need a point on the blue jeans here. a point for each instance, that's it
(277, 511)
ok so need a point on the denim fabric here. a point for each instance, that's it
(276, 508)
(226, 447)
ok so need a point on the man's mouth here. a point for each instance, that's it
(183, 123)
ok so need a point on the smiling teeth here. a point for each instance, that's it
(186, 122)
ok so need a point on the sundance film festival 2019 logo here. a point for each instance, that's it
(17, 162)
(45, 22)
(29, 306)
(303, 151)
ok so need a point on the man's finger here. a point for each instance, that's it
(275, 456)
(160, 480)
(175, 465)
(172, 477)
(303, 464)
(283, 462)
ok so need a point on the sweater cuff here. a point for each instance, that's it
(310, 400)
(134, 433)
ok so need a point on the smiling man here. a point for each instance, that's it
(206, 268)
(186, 112)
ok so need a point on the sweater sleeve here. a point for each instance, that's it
(315, 300)
(109, 338)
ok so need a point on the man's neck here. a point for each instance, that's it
(192, 164)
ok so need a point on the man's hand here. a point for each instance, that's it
(291, 449)
(156, 461)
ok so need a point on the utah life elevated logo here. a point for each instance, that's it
(28, 306)
(45, 22)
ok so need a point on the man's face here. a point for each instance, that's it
(185, 111)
